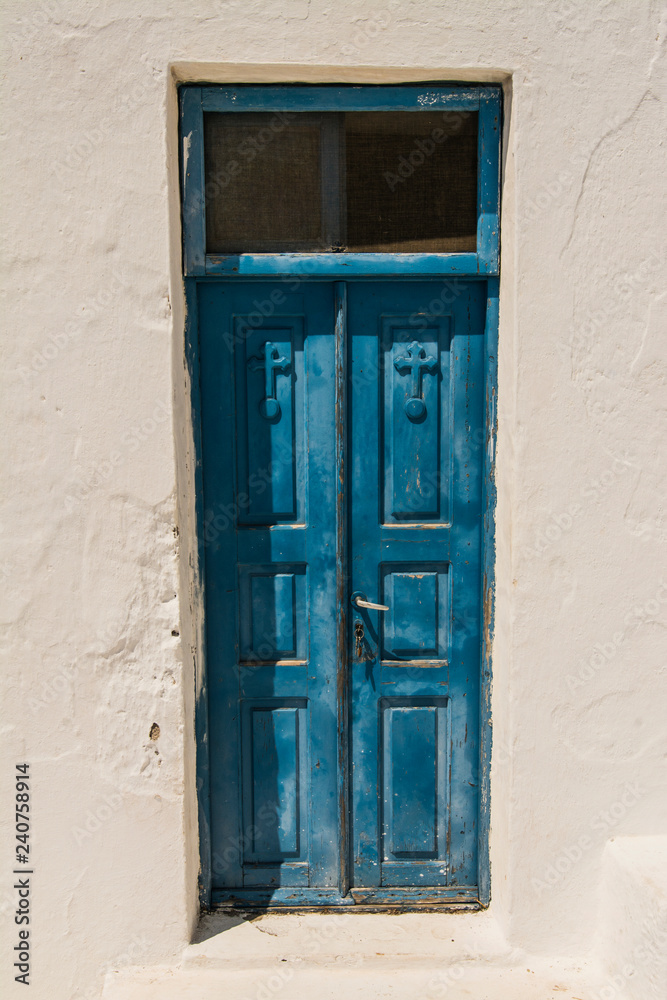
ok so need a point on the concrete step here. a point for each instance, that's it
(633, 919)
(329, 956)
(372, 980)
(324, 938)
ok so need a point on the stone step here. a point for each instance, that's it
(372, 980)
(353, 956)
(633, 919)
(322, 938)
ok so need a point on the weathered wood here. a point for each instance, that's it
(488, 180)
(421, 97)
(192, 181)
(343, 265)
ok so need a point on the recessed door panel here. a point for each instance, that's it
(273, 613)
(414, 414)
(415, 814)
(275, 780)
(416, 626)
(270, 418)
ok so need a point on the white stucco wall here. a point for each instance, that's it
(96, 437)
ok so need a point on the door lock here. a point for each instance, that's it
(358, 637)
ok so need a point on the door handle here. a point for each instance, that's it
(359, 601)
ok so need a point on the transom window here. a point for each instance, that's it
(333, 180)
(396, 181)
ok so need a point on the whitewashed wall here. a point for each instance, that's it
(96, 437)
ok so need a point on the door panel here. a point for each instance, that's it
(270, 419)
(415, 629)
(415, 415)
(416, 409)
(274, 757)
(267, 385)
(414, 766)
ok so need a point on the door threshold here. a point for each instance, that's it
(366, 900)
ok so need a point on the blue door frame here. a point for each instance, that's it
(447, 275)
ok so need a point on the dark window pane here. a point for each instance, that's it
(361, 181)
(411, 181)
(263, 183)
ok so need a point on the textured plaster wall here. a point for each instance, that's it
(100, 618)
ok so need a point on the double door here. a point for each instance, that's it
(342, 433)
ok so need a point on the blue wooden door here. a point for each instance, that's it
(416, 412)
(343, 740)
(269, 532)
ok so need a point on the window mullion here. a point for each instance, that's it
(333, 180)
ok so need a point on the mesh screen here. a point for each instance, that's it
(263, 184)
(411, 181)
(361, 181)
